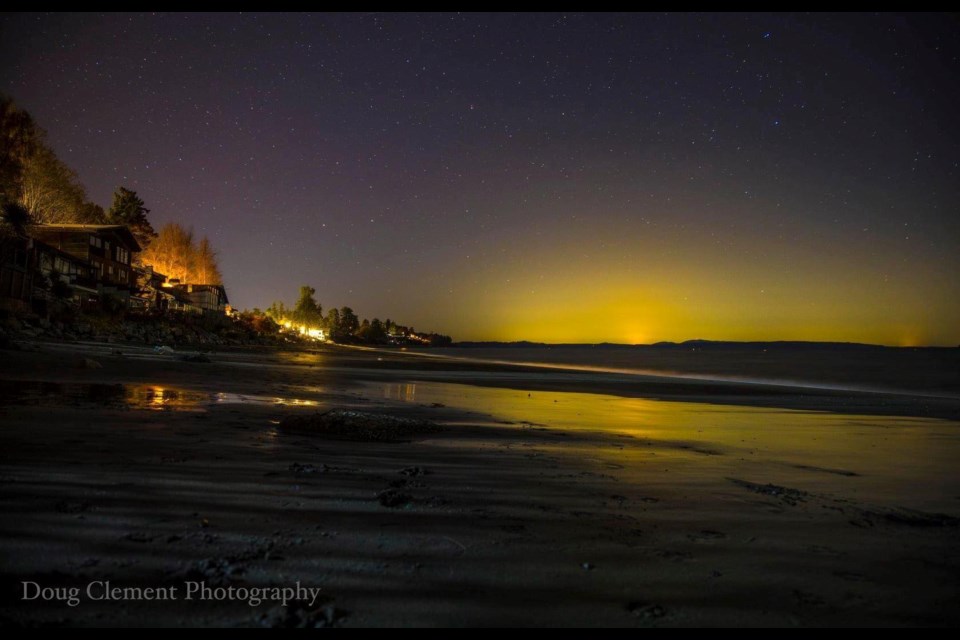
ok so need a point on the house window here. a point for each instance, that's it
(106, 247)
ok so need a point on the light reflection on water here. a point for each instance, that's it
(160, 398)
(153, 397)
(910, 460)
(149, 397)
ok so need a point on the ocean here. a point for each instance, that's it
(923, 370)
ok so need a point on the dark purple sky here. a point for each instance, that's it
(556, 177)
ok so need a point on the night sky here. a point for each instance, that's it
(628, 178)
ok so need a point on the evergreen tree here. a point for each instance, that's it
(307, 311)
(349, 323)
(128, 209)
(333, 320)
(19, 138)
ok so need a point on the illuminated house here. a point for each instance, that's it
(56, 265)
(200, 298)
(152, 292)
(106, 249)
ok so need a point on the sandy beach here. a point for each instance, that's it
(538, 497)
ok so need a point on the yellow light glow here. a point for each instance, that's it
(684, 291)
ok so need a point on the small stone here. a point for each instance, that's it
(646, 610)
(393, 498)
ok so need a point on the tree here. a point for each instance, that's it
(378, 331)
(307, 311)
(128, 209)
(278, 311)
(49, 189)
(14, 219)
(333, 320)
(32, 174)
(171, 252)
(349, 323)
(205, 268)
(175, 254)
(91, 213)
(19, 137)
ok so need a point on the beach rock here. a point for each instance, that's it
(87, 363)
(301, 616)
(306, 469)
(413, 471)
(393, 498)
(342, 424)
(66, 506)
(786, 494)
(215, 572)
(646, 610)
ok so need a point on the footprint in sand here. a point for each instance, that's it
(852, 576)
(825, 551)
(676, 556)
(706, 535)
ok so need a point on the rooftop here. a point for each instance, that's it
(119, 229)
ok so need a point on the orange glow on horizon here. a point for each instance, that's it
(712, 295)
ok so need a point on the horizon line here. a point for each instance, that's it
(708, 341)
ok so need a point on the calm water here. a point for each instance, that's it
(934, 371)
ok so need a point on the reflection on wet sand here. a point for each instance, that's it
(160, 398)
(132, 396)
(878, 458)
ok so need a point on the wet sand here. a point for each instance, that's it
(550, 498)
